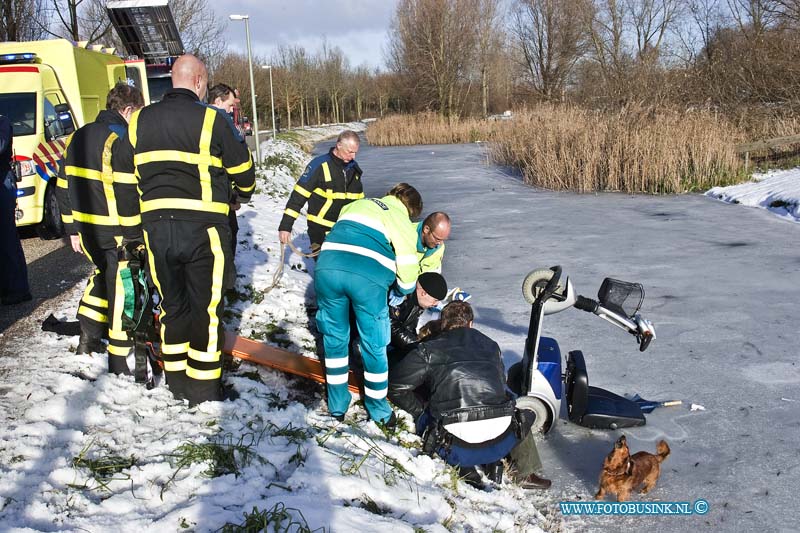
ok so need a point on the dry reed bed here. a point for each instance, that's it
(569, 148)
(428, 128)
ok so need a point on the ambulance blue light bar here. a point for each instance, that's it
(24, 57)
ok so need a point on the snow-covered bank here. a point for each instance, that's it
(84, 451)
(776, 190)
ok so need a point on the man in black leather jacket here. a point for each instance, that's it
(454, 385)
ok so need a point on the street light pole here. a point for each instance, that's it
(271, 99)
(246, 19)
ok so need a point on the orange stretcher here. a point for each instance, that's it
(280, 359)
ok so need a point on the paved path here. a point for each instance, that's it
(53, 268)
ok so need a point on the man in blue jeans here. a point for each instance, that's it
(13, 269)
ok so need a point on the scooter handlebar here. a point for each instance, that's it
(636, 325)
(586, 304)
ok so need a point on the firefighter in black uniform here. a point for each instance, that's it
(185, 156)
(329, 182)
(100, 210)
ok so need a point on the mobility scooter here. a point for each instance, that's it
(538, 379)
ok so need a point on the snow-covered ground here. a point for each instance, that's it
(84, 451)
(81, 450)
(777, 191)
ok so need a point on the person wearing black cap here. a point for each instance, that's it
(431, 288)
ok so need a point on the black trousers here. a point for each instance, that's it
(189, 262)
(13, 268)
(103, 302)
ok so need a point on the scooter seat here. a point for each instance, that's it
(595, 407)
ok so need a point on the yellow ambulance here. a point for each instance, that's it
(48, 89)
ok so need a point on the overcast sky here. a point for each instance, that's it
(358, 27)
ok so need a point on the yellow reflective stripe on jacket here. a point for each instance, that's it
(329, 194)
(174, 349)
(302, 191)
(86, 173)
(190, 158)
(238, 169)
(96, 301)
(291, 212)
(184, 203)
(205, 151)
(106, 220)
(108, 176)
(319, 220)
(133, 126)
(125, 178)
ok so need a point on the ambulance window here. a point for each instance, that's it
(20, 108)
(54, 127)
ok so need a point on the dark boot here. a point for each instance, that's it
(391, 422)
(535, 482)
(471, 477)
(87, 345)
(199, 391)
(176, 381)
(118, 365)
(494, 471)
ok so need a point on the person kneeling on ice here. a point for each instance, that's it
(453, 384)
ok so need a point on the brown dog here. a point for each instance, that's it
(623, 472)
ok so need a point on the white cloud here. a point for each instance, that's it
(358, 27)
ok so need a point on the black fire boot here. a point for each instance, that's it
(87, 345)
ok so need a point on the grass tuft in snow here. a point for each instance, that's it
(270, 332)
(103, 469)
(224, 456)
(363, 447)
(283, 160)
(372, 506)
(278, 518)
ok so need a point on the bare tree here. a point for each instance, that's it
(785, 10)
(605, 24)
(707, 18)
(201, 29)
(77, 20)
(433, 43)
(753, 17)
(488, 27)
(551, 40)
(651, 19)
(18, 20)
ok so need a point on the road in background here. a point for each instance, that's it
(53, 269)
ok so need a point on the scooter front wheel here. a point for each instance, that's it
(542, 422)
(536, 281)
